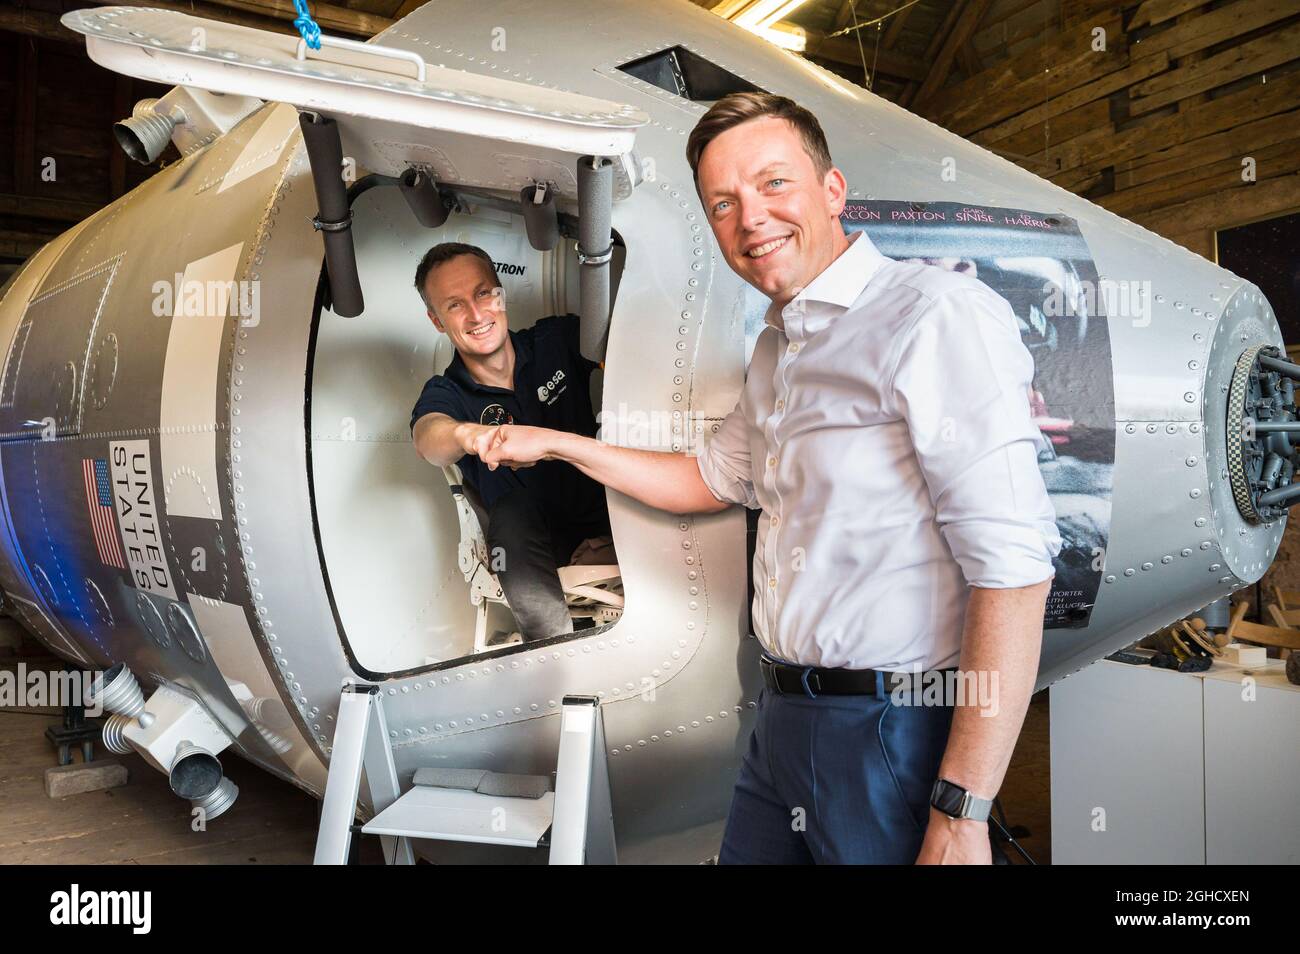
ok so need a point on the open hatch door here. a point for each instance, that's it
(394, 111)
(395, 115)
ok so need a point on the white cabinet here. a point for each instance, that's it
(1159, 767)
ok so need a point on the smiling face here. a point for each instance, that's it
(466, 304)
(775, 219)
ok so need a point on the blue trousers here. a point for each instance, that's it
(835, 780)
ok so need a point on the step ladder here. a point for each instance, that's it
(576, 818)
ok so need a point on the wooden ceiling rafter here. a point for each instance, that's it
(968, 15)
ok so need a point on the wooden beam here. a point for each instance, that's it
(1058, 65)
(410, 6)
(1107, 147)
(1222, 178)
(844, 16)
(1265, 635)
(1158, 11)
(1041, 136)
(1196, 31)
(972, 11)
(1006, 29)
(1221, 210)
(212, 11)
(1200, 241)
(1086, 12)
(895, 28)
(1239, 142)
(1080, 96)
(1191, 56)
(969, 59)
(892, 27)
(327, 15)
(20, 243)
(1264, 53)
(54, 210)
(844, 49)
(36, 23)
(931, 51)
(27, 65)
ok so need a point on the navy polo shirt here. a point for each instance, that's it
(552, 389)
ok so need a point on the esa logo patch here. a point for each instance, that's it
(546, 393)
(495, 414)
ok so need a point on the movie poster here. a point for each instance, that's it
(1041, 265)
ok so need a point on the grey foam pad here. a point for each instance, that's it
(514, 786)
(499, 784)
(467, 779)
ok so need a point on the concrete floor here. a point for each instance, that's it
(275, 823)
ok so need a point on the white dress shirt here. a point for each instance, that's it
(885, 431)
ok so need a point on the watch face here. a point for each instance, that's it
(948, 798)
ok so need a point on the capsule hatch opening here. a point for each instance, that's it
(402, 544)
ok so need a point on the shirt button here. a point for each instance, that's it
(772, 582)
(794, 348)
(780, 405)
(775, 521)
(771, 462)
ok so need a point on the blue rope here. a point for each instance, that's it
(307, 27)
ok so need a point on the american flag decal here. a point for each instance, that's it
(99, 500)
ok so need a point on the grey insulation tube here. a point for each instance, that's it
(541, 219)
(334, 220)
(421, 194)
(595, 197)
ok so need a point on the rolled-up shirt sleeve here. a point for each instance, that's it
(962, 382)
(724, 461)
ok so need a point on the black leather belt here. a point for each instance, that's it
(813, 681)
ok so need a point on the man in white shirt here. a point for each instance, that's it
(885, 431)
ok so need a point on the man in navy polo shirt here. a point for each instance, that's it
(537, 514)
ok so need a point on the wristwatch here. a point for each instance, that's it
(956, 802)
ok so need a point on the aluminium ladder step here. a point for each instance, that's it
(449, 814)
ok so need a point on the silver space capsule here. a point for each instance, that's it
(208, 484)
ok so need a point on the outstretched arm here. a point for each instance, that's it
(659, 479)
(442, 440)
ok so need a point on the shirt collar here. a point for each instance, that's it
(457, 371)
(831, 292)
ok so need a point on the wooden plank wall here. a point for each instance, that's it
(57, 108)
(1187, 121)
(1155, 126)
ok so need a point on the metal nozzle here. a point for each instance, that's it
(113, 736)
(117, 691)
(146, 132)
(195, 773)
(219, 800)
